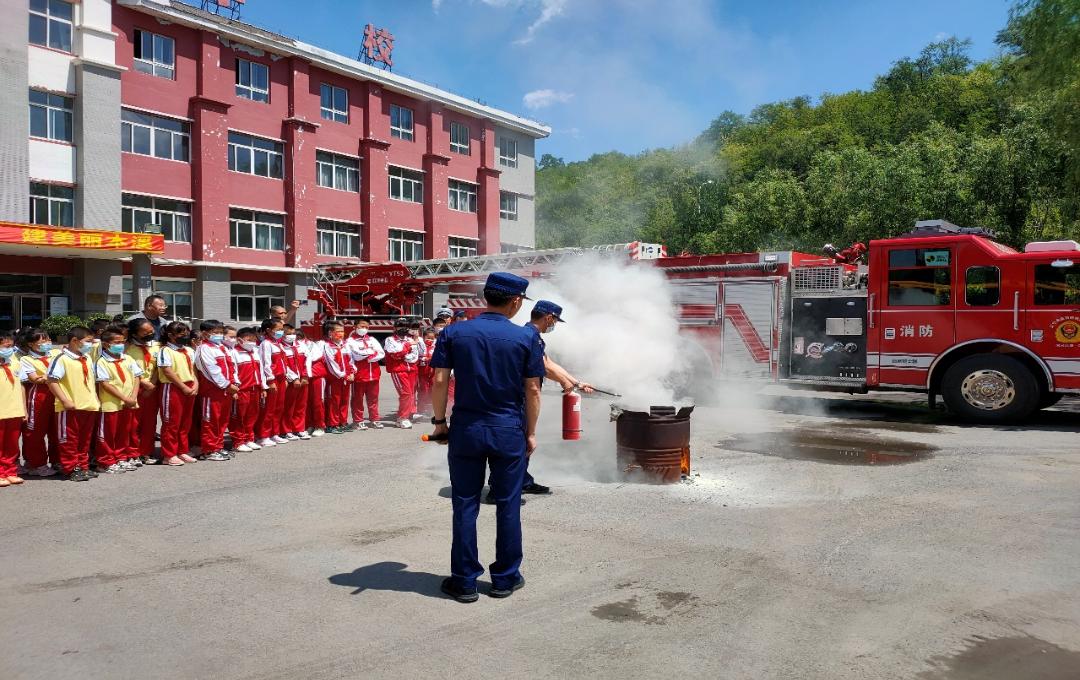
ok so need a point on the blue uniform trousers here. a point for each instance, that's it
(471, 449)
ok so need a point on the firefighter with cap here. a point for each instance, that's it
(545, 315)
(497, 366)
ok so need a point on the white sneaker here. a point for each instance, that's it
(253, 446)
(267, 441)
(137, 462)
(42, 471)
(127, 465)
(318, 432)
(114, 469)
(291, 437)
(244, 448)
(278, 439)
(377, 425)
(362, 425)
(405, 424)
(303, 435)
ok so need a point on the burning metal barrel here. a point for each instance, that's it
(653, 446)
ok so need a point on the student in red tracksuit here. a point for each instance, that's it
(248, 402)
(144, 351)
(294, 418)
(179, 385)
(366, 352)
(12, 409)
(119, 380)
(38, 353)
(402, 355)
(340, 373)
(73, 382)
(317, 396)
(274, 370)
(220, 385)
(426, 374)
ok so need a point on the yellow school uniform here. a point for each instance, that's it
(180, 359)
(32, 363)
(145, 357)
(12, 397)
(123, 374)
(76, 376)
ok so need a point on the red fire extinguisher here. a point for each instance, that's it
(571, 415)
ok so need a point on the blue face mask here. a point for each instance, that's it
(217, 338)
(279, 335)
(6, 352)
(44, 348)
(86, 348)
(116, 349)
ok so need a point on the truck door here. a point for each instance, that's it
(990, 300)
(916, 317)
(749, 338)
(1053, 318)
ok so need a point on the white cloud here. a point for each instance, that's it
(549, 9)
(436, 4)
(539, 99)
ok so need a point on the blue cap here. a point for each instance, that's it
(548, 307)
(504, 282)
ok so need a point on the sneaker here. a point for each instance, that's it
(113, 469)
(291, 437)
(90, 473)
(41, 471)
(244, 448)
(361, 426)
(377, 425)
(253, 446)
(135, 462)
(419, 416)
(334, 429)
(128, 466)
(14, 479)
(303, 435)
(405, 424)
(278, 439)
(459, 593)
(4, 482)
(231, 454)
(318, 432)
(500, 593)
(217, 456)
(77, 475)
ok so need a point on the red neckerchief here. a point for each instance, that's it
(145, 356)
(85, 370)
(7, 369)
(119, 363)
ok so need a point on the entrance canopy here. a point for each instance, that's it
(34, 239)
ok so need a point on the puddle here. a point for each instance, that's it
(622, 612)
(826, 448)
(1010, 658)
(920, 428)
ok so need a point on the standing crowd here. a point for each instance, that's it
(99, 403)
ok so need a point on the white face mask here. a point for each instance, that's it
(230, 342)
(290, 339)
(361, 332)
(249, 346)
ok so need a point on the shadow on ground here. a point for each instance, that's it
(392, 576)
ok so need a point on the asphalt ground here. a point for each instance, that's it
(818, 536)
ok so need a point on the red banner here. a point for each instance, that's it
(89, 239)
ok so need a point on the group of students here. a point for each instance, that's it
(98, 403)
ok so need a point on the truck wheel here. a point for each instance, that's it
(990, 388)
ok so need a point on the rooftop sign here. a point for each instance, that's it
(378, 47)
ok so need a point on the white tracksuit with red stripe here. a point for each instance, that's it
(245, 411)
(218, 371)
(402, 358)
(366, 352)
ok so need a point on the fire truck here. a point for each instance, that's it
(942, 310)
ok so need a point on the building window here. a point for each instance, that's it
(252, 81)
(335, 103)
(406, 246)
(257, 230)
(337, 172)
(256, 156)
(401, 122)
(177, 294)
(508, 205)
(252, 301)
(462, 196)
(462, 247)
(508, 152)
(155, 54)
(149, 135)
(52, 205)
(920, 277)
(50, 24)
(50, 116)
(406, 185)
(172, 216)
(459, 138)
(338, 239)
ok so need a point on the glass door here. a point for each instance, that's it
(31, 310)
(8, 322)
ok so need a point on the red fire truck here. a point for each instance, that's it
(942, 310)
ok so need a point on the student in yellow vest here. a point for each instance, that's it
(144, 350)
(12, 410)
(176, 374)
(73, 382)
(119, 381)
(38, 353)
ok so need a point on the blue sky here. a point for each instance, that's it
(629, 75)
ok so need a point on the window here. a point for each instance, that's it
(459, 138)
(406, 246)
(50, 116)
(508, 152)
(52, 205)
(462, 196)
(462, 247)
(1057, 285)
(335, 103)
(920, 277)
(177, 294)
(252, 301)
(508, 205)
(982, 286)
(174, 217)
(258, 230)
(50, 24)
(401, 122)
(406, 185)
(150, 135)
(339, 239)
(155, 54)
(256, 156)
(337, 172)
(252, 81)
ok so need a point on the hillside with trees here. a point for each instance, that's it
(991, 144)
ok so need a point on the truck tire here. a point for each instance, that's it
(990, 388)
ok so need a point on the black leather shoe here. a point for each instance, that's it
(457, 592)
(507, 592)
(536, 488)
(488, 500)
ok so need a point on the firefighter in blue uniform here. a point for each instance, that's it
(497, 368)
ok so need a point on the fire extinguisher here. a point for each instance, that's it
(571, 415)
